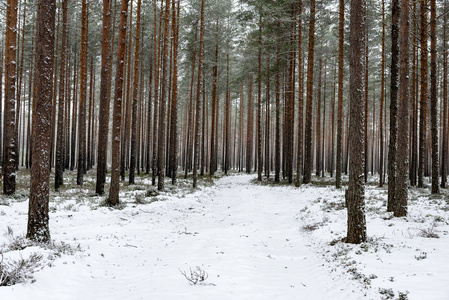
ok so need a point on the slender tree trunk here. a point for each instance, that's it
(433, 96)
(249, 128)
(213, 154)
(393, 105)
(164, 98)
(318, 123)
(132, 166)
(259, 104)
(267, 123)
(38, 227)
(277, 151)
(9, 122)
(83, 94)
(308, 158)
(402, 157)
(60, 136)
(366, 107)
(423, 99)
(174, 103)
(88, 162)
(198, 100)
(299, 158)
(340, 95)
(382, 100)
(227, 129)
(324, 125)
(157, 38)
(117, 114)
(355, 195)
(444, 99)
(105, 94)
(19, 90)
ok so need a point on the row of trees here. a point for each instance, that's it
(251, 86)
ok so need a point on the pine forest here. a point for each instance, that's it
(269, 149)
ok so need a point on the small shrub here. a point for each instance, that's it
(140, 199)
(429, 232)
(19, 271)
(403, 296)
(386, 293)
(311, 227)
(421, 256)
(151, 193)
(196, 277)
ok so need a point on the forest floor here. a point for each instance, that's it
(253, 240)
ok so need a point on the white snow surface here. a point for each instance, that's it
(254, 241)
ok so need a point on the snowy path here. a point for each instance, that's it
(247, 237)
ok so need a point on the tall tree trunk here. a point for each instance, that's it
(9, 122)
(213, 154)
(341, 31)
(19, 90)
(105, 94)
(308, 157)
(117, 113)
(249, 128)
(74, 114)
(267, 123)
(174, 103)
(83, 94)
(423, 95)
(38, 227)
(332, 154)
(164, 98)
(132, 166)
(402, 157)
(60, 136)
(277, 147)
(318, 123)
(393, 105)
(444, 99)
(227, 129)
(382, 100)
(198, 99)
(433, 96)
(88, 156)
(355, 195)
(259, 103)
(366, 107)
(299, 158)
(157, 38)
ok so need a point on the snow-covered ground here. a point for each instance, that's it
(255, 241)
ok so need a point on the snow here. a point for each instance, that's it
(255, 241)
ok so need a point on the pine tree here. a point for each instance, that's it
(61, 136)
(117, 113)
(103, 130)
(394, 86)
(355, 194)
(423, 95)
(83, 95)
(402, 157)
(38, 227)
(9, 122)
(341, 31)
(434, 97)
(308, 157)
(134, 120)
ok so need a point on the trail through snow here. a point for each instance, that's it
(247, 238)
